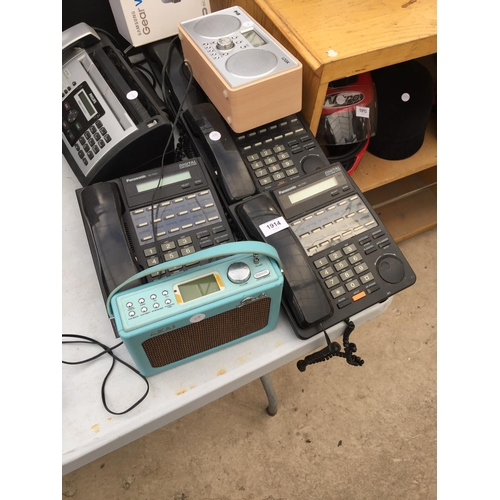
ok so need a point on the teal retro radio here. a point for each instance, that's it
(188, 314)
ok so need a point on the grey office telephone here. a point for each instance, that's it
(112, 123)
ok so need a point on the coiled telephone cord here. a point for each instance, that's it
(332, 349)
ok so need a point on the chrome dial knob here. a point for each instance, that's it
(224, 43)
(238, 272)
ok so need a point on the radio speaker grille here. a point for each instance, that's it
(208, 333)
(252, 62)
(217, 26)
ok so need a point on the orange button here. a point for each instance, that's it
(358, 296)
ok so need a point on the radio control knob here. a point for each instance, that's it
(225, 43)
(238, 272)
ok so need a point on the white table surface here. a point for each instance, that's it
(88, 430)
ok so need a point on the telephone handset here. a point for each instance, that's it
(80, 35)
(258, 160)
(302, 290)
(102, 211)
(337, 256)
(206, 122)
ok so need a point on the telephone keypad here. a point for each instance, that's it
(272, 165)
(93, 140)
(343, 270)
(191, 223)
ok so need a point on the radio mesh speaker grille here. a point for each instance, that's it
(248, 63)
(217, 25)
(208, 333)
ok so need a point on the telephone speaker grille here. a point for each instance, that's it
(211, 332)
(249, 63)
(217, 26)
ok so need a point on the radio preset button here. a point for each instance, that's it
(261, 274)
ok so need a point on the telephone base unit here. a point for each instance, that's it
(112, 122)
(338, 257)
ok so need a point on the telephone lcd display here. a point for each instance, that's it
(255, 39)
(200, 287)
(166, 180)
(313, 190)
(85, 105)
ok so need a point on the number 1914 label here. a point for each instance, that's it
(273, 226)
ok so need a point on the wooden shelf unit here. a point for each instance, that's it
(414, 209)
(337, 38)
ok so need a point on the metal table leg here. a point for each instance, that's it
(272, 409)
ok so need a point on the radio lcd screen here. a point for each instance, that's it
(255, 39)
(200, 287)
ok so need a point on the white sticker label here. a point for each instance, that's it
(273, 226)
(362, 111)
(196, 318)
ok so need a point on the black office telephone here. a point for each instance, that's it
(140, 220)
(338, 258)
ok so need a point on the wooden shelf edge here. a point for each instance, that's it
(409, 216)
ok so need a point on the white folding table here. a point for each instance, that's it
(88, 430)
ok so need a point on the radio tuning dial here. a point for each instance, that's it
(238, 272)
(225, 43)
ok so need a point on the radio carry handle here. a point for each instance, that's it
(225, 250)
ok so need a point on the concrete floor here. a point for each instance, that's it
(341, 432)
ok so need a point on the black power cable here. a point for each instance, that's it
(106, 350)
